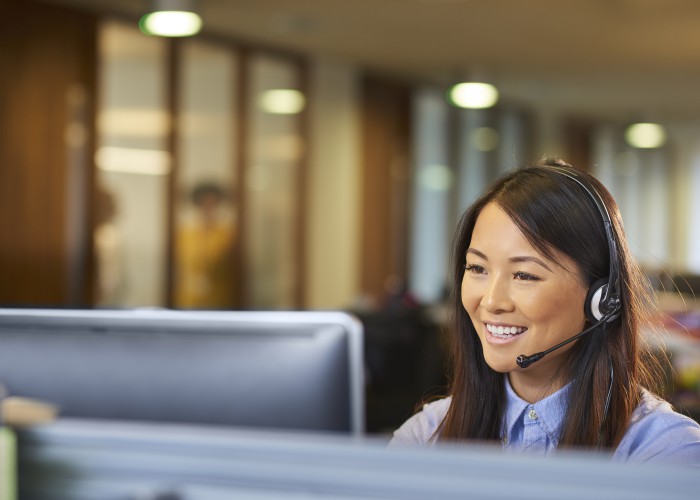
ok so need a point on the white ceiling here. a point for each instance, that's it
(621, 59)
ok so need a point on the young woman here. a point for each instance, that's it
(549, 311)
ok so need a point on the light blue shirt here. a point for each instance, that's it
(655, 433)
(533, 426)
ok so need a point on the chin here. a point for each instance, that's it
(501, 364)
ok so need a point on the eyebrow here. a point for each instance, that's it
(523, 258)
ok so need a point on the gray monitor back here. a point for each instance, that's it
(78, 460)
(290, 370)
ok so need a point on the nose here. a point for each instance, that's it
(496, 298)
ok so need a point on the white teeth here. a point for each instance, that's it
(505, 331)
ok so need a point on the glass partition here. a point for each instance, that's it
(222, 219)
(272, 187)
(133, 167)
(206, 208)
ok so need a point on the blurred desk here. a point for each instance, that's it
(681, 320)
(405, 363)
(76, 460)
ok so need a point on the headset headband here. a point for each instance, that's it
(610, 300)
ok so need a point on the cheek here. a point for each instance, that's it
(470, 297)
(464, 294)
(560, 304)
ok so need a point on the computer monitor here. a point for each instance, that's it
(77, 460)
(287, 370)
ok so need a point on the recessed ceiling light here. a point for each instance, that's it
(473, 95)
(645, 135)
(172, 18)
(282, 101)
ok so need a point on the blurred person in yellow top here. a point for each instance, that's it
(204, 277)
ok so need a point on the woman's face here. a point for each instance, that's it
(519, 301)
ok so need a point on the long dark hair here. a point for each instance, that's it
(556, 215)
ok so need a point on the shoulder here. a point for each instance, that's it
(658, 433)
(419, 429)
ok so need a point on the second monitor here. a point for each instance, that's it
(288, 370)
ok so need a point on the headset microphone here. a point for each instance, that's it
(524, 361)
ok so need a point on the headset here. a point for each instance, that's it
(602, 305)
(603, 298)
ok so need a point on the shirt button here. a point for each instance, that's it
(532, 414)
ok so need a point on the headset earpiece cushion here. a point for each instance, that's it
(592, 305)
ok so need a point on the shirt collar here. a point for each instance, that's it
(550, 410)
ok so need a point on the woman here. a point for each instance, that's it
(541, 267)
(205, 278)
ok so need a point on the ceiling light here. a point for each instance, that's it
(473, 95)
(171, 18)
(645, 135)
(282, 101)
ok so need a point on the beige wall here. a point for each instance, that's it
(334, 180)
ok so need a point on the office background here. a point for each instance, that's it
(341, 191)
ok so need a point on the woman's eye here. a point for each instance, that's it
(525, 276)
(474, 269)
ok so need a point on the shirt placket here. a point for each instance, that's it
(534, 438)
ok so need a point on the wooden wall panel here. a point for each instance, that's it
(578, 143)
(46, 53)
(386, 130)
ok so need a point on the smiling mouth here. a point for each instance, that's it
(505, 332)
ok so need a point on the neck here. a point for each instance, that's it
(532, 387)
